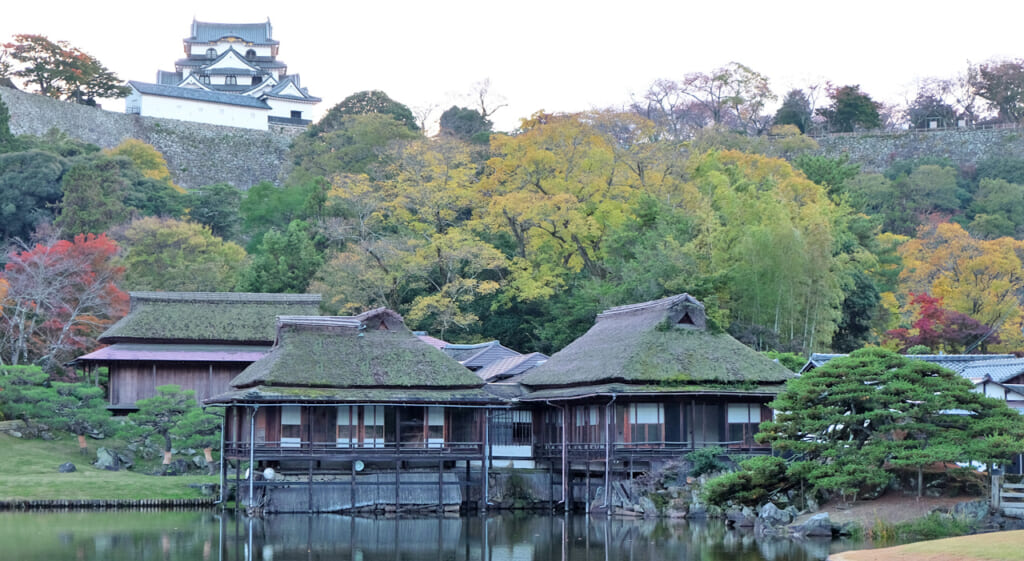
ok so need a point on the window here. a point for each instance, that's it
(296, 114)
(512, 428)
(588, 424)
(211, 53)
(645, 424)
(435, 426)
(250, 54)
(291, 426)
(744, 419)
(256, 80)
(360, 426)
(204, 79)
(231, 80)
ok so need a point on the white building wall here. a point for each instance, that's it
(283, 108)
(203, 112)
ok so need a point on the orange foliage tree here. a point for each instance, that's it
(60, 296)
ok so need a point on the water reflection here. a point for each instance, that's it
(209, 536)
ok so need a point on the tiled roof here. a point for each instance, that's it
(997, 370)
(198, 95)
(176, 353)
(284, 84)
(510, 366)
(206, 32)
(957, 363)
(432, 341)
(478, 355)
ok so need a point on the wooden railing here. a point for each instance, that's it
(1007, 498)
(596, 450)
(323, 449)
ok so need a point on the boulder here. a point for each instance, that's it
(771, 515)
(178, 467)
(819, 525)
(974, 511)
(66, 467)
(740, 518)
(107, 459)
(648, 507)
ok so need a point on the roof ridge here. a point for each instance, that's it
(320, 321)
(666, 302)
(226, 297)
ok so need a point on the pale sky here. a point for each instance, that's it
(554, 55)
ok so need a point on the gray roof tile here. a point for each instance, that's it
(198, 95)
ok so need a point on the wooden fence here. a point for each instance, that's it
(1007, 498)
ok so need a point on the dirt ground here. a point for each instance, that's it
(889, 508)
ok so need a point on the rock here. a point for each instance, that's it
(975, 510)
(740, 518)
(178, 467)
(648, 507)
(812, 505)
(66, 467)
(199, 461)
(107, 459)
(819, 525)
(697, 511)
(14, 433)
(793, 512)
(772, 516)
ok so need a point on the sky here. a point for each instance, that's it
(554, 55)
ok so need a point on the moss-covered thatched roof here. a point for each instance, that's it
(274, 394)
(368, 351)
(664, 342)
(207, 317)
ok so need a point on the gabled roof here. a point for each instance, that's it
(662, 342)
(231, 62)
(478, 355)
(372, 351)
(206, 32)
(207, 317)
(288, 88)
(509, 367)
(438, 344)
(997, 370)
(197, 95)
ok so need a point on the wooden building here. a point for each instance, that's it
(648, 382)
(197, 340)
(356, 407)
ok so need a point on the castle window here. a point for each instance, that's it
(296, 114)
(256, 80)
(230, 80)
(204, 79)
(250, 54)
(211, 53)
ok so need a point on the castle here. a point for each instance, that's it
(230, 76)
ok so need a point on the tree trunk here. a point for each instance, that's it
(83, 447)
(167, 462)
(920, 481)
(208, 453)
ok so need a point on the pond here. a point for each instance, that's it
(225, 536)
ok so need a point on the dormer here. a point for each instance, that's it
(687, 313)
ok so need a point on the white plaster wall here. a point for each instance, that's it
(204, 112)
(284, 108)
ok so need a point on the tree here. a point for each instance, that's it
(158, 416)
(465, 124)
(850, 110)
(169, 255)
(928, 108)
(941, 330)
(78, 408)
(734, 95)
(30, 186)
(1001, 84)
(286, 262)
(795, 110)
(146, 159)
(354, 144)
(61, 71)
(373, 102)
(980, 278)
(849, 420)
(61, 295)
(6, 137)
(830, 173)
(218, 207)
(998, 209)
(200, 428)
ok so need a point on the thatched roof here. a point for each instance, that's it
(664, 342)
(207, 317)
(372, 351)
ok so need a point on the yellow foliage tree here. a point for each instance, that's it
(147, 160)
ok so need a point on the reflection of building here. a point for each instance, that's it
(230, 76)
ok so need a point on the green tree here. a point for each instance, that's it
(200, 428)
(830, 173)
(62, 71)
(77, 408)
(218, 207)
(286, 262)
(795, 110)
(373, 102)
(465, 124)
(169, 255)
(355, 144)
(146, 159)
(157, 417)
(927, 109)
(998, 209)
(853, 419)
(851, 110)
(30, 186)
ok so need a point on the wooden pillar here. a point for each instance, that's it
(398, 484)
(310, 486)
(440, 486)
(352, 490)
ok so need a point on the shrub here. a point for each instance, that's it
(755, 481)
(706, 460)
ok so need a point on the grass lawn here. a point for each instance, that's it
(29, 472)
(997, 546)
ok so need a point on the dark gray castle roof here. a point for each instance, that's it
(197, 95)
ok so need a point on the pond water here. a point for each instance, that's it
(225, 536)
